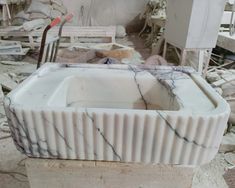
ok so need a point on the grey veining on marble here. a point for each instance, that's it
(167, 115)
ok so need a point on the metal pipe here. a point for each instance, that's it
(67, 18)
(44, 36)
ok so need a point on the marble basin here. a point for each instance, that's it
(166, 115)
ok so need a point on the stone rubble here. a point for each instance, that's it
(224, 82)
(46, 10)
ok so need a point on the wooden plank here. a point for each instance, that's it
(68, 31)
(88, 174)
(70, 43)
(84, 34)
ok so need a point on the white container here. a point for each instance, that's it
(193, 23)
(117, 113)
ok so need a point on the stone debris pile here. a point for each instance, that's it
(224, 82)
(40, 13)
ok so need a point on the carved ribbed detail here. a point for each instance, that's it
(109, 136)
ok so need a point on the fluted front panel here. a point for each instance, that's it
(108, 136)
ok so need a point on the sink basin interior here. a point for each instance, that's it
(113, 90)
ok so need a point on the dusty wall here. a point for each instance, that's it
(104, 12)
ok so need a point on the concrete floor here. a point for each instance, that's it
(12, 169)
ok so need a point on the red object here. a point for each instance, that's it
(55, 22)
(69, 17)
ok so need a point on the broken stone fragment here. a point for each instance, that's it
(157, 60)
(11, 57)
(36, 15)
(229, 177)
(10, 47)
(228, 142)
(7, 83)
(44, 1)
(16, 78)
(219, 90)
(55, 14)
(120, 31)
(34, 24)
(213, 77)
(228, 89)
(17, 2)
(60, 8)
(18, 21)
(14, 63)
(114, 50)
(75, 55)
(58, 2)
(232, 115)
(39, 7)
(23, 15)
(224, 82)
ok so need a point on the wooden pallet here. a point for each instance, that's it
(72, 32)
(88, 174)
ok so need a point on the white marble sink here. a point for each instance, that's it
(117, 113)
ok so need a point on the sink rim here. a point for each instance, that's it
(221, 106)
